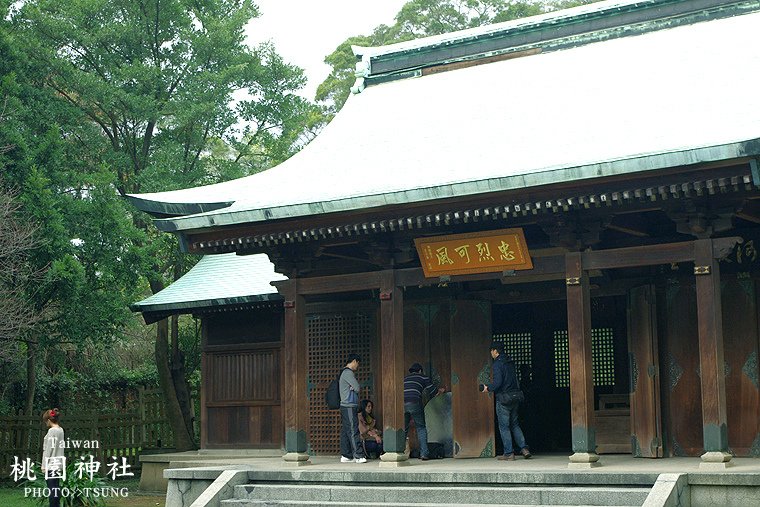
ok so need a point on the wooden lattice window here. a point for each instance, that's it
(602, 357)
(332, 337)
(518, 346)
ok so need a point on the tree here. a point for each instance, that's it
(422, 18)
(18, 279)
(143, 95)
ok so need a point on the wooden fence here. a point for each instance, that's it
(121, 433)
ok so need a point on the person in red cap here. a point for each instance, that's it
(52, 454)
(415, 384)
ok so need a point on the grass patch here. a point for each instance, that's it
(12, 495)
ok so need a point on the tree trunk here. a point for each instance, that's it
(183, 439)
(31, 376)
(178, 376)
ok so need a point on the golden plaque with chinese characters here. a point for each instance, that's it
(475, 252)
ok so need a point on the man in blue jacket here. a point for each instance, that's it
(351, 448)
(505, 380)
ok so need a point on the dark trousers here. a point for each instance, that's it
(372, 447)
(350, 440)
(55, 491)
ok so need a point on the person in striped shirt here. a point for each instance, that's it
(415, 384)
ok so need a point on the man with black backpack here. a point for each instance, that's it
(351, 448)
(506, 389)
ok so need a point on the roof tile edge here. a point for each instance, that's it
(551, 31)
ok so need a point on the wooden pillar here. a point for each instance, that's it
(392, 369)
(295, 389)
(204, 387)
(581, 376)
(711, 362)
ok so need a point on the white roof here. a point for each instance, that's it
(661, 99)
(217, 280)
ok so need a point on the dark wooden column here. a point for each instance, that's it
(581, 379)
(295, 389)
(392, 368)
(204, 386)
(711, 361)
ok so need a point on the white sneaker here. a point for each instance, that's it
(361, 460)
(344, 459)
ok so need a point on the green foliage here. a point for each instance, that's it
(158, 80)
(99, 99)
(334, 90)
(423, 18)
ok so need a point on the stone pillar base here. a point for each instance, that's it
(394, 459)
(715, 460)
(584, 460)
(298, 459)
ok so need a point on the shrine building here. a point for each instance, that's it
(582, 186)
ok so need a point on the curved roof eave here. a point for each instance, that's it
(643, 164)
(162, 208)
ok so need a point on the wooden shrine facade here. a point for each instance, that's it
(680, 319)
(634, 316)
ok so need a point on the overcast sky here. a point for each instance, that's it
(305, 31)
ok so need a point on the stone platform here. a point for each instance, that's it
(152, 478)
(543, 480)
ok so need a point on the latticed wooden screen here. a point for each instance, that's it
(332, 337)
(602, 357)
(518, 346)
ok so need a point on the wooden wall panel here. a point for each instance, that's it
(235, 427)
(242, 398)
(645, 416)
(440, 346)
(426, 339)
(472, 411)
(245, 376)
(244, 327)
(416, 335)
(229, 426)
(679, 363)
(740, 330)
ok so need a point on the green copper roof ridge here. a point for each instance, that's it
(550, 22)
(600, 169)
(174, 209)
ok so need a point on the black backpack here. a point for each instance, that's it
(332, 395)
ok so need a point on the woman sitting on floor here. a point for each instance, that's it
(371, 436)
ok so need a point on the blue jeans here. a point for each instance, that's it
(350, 442)
(416, 412)
(509, 427)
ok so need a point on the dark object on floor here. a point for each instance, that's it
(436, 450)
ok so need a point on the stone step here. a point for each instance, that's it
(309, 503)
(441, 494)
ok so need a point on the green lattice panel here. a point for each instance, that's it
(602, 357)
